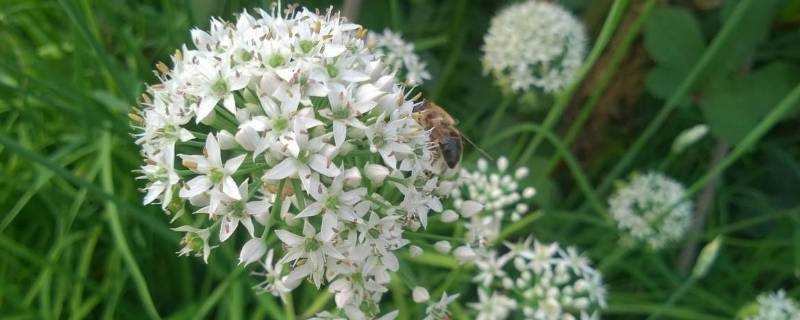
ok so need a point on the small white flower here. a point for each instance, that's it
(195, 242)
(414, 251)
(528, 192)
(376, 173)
(161, 176)
(449, 216)
(352, 177)
(464, 253)
(312, 156)
(275, 278)
(242, 211)
(420, 294)
(312, 247)
(252, 251)
(438, 310)
(214, 83)
(420, 202)
(470, 207)
(442, 246)
(502, 164)
(215, 175)
(494, 307)
(226, 140)
(335, 204)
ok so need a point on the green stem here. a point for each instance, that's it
(298, 191)
(673, 298)
(683, 89)
(667, 162)
(645, 308)
(457, 37)
(276, 209)
(319, 302)
(572, 164)
(518, 225)
(610, 25)
(749, 141)
(498, 114)
(613, 258)
(745, 145)
(394, 11)
(112, 216)
(288, 305)
(217, 294)
(611, 70)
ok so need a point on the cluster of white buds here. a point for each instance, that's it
(534, 44)
(537, 281)
(651, 208)
(490, 196)
(400, 55)
(774, 306)
(276, 119)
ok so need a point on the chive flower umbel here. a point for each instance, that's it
(534, 44)
(651, 208)
(261, 133)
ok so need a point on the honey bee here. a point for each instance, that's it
(443, 131)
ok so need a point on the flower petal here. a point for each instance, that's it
(310, 210)
(233, 164)
(290, 239)
(282, 170)
(230, 189)
(227, 227)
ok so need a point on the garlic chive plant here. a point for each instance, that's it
(651, 209)
(773, 306)
(532, 280)
(488, 197)
(522, 280)
(534, 44)
(261, 133)
(400, 56)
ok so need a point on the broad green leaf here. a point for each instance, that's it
(749, 35)
(733, 107)
(673, 38)
(663, 81)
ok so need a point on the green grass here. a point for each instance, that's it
(76, 243)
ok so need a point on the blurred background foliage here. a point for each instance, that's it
(76, 243)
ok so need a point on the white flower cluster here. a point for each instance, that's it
(534, 44)
(651, 208)
(498, 192)
(400, 55)
(538, 281)
(776, 306)
(275, 119)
